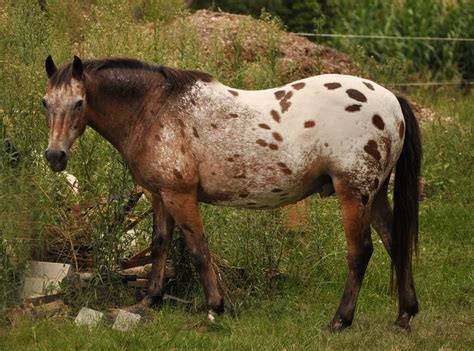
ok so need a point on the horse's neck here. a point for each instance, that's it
(116, 121)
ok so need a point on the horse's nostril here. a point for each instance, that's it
(55, 155)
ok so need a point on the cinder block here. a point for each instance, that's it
(89, 317)
(126, 320)
(43, 278)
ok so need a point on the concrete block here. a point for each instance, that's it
(43, 278)
(89, 317)
(125, 320)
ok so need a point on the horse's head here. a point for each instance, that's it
(65, 105)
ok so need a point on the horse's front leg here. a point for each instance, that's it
(163, 225)
(183, 207)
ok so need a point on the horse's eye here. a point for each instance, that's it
(78, 104)
(44, 103)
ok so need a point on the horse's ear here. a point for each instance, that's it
(77, 68)
(50, 66)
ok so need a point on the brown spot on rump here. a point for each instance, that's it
(298, 86)
(243, 195)
(213, 125)
(180, 122)
(233, 115)
(401, 130)
(275, 116)
(157, 137)
(309, 124)
(353, 108)
(378, 122)
(368, 85)
(356, 95)
(236, 155)
(233, 92)
(372, 149)
(230, 159)
(193, 101)
(332, 86)
(273, 146)
(264, 126)
(277, 190)
(183, 149)
(177, 174)
(183, 134)
(285, 102)
(326, 144)
(279, 94)
(261, 142)
(195, 132)
(277, 136)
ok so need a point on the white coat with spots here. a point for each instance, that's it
(270, 147)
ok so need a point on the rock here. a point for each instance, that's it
(125, 320)
(89, 317)
(43, 278)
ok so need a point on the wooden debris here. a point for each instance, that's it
(31, 311)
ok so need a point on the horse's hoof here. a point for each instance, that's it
(142, 309)
(403, 322)
(211, 316)
(337, 325)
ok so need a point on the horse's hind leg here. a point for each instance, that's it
(382, 217)
(356, 217)
(382, 221)
(183, 207)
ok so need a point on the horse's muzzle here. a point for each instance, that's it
(57, 159)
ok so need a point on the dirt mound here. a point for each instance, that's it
(257, 38)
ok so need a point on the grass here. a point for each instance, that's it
(287, 312)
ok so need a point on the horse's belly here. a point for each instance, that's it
(265, 187)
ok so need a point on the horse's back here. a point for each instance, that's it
(280, 140)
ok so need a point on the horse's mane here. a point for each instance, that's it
(177, 79)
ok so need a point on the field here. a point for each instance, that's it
(288, 310)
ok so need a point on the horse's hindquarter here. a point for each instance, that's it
(271, 147)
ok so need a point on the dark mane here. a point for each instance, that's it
(177, 79)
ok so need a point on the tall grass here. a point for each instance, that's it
(428, 60)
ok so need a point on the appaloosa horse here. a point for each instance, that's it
(188, 138)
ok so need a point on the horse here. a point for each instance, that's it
(187, 138)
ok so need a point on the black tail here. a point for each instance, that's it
(406, 196)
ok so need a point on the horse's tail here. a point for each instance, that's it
(406, 197)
